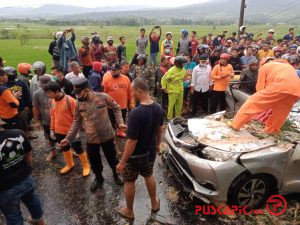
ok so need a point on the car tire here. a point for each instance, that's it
(251, 190)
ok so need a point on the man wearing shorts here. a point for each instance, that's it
(144, 133)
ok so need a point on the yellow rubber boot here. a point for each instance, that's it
(69, 162)
(86, 169)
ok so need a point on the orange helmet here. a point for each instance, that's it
(24, 68)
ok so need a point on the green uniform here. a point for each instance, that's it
(172, 81)
(146, 74)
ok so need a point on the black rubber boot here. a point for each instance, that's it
(96, 183)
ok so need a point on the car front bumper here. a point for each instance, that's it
(206, 179)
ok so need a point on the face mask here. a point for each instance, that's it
(55, 78)
(202, 64)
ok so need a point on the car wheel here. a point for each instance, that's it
(252, 191)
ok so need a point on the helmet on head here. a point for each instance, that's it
(294, 59)
(11, 72)
(58, 34)
(242, 28)
(24, 68)
(225, 56)
(184, 32)
(293, 46)
(203, 57)
(96, 39)
(180, 60)
(201, 46)
(39, 65)
(250, 35)
(298, 50)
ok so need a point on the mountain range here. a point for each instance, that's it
(257, 11)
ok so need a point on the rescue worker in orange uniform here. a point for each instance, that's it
(277, 90)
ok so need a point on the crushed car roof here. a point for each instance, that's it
(209, 131)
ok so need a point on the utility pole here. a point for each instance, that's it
(242, 13)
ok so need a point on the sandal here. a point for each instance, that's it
(129, 219)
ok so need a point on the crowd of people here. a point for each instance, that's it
(93, 92)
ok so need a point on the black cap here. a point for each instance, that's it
(115, 66)
(203, 57)
(180, 59)
(80, 84)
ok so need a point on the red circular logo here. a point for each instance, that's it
(278, 202)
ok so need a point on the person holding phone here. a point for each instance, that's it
(154, 44)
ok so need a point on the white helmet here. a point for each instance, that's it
(242, 28)
(59, 34)
(271, 31)
(298, 50)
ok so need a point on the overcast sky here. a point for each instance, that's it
(95, 3)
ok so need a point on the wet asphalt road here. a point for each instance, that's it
(68, 201)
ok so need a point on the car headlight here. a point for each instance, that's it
(219, 155)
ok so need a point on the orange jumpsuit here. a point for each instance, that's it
(278, 89)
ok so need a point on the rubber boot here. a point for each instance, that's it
(97, 183)
(86, 169)
(69, 162)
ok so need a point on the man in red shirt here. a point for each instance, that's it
(194, 43)
(118, 87)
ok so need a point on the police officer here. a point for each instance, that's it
(91, 114)
(144, 71)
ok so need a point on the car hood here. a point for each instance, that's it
(212, 131)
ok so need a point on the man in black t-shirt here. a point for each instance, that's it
(144, 133)
(121, 50)
(16, 182)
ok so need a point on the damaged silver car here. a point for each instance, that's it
(243, 168)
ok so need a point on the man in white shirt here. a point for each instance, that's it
(200, 85)
(76, 72)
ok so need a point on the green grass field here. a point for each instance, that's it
(37, 47)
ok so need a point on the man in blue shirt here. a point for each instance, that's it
(290, 35)
(246, 58)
